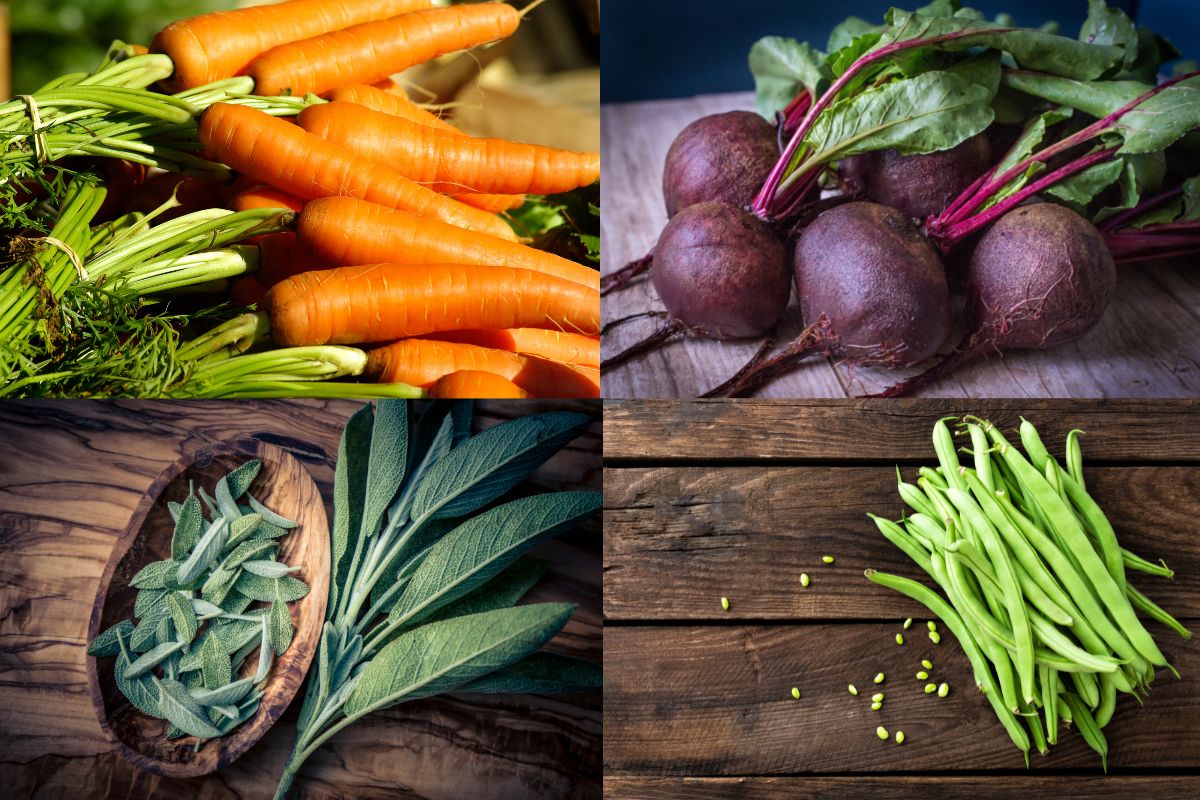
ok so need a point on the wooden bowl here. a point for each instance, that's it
(284, 486)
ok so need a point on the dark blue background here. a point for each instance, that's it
(676, 48)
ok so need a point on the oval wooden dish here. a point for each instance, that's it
(284, 486)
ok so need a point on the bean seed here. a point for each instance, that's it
(804, 579)
(943, 690)
(876, 706)
(725, 603)
(853, 690)
(879, 678)
(931, 625)
(795, 693)
(922, 675)
(877, 697)
(899, 737)
(930, 688)
(881, 732)
(907, 623)
(827, 559)
(926, 663)
(935, 637)
(899, 638)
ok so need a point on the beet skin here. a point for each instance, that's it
(721, 157)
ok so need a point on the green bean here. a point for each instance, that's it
(950, 618)
(943, 445)
(899, 537)
(1088, 728)
(975, 519)
(929, 528)
(1002, 663)
(1035, 727)
(1096, 520)
(1108, 701)
(937, 496)
(981, 449)
(1134, 561)
(933, 476)
(912, 495)
(1075, 457)
(1031, 440)
(1061, 644)
(1088, 688)
(1048, 682)
(1152, 610)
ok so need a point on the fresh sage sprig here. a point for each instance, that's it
(183, 658)
(427, 569)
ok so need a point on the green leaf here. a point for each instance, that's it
(267, 530)
(402, 557)
(246, 710)
(259, 588)
(933, 111)
(481, 547)
(502, 591)
(225, 501)
(220, 584)
(187, 528)
(237, 602)
(184, 712)
(489, 464)
(264, 654)
(442, 656)
(203, 608)
(182, 615)
(240, 479)
(246, 551)
(148, 601)
(215, 665)
(270, 516)
(541, 673)
(1078, 190)
(242, 528)
(782, 68)
(280, 626)
(349, 489)
(206, 552)
(152, 659)
(230, 693)
(1105, 25)
(387, 463)
(268, 569)
(849, 29)
(173, 509)
(143, 635)
(140, 692)
(461, 414)
(105, 644)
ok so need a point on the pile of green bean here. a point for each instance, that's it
(1034, 582)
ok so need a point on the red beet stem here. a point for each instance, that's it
(624, 276)
(753, 376)
(645, 345)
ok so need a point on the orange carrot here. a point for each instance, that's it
(446, 161)
(284, 156)
(472, 383)
(382, 302)
(344, 230)
(421, 362)
(390, 103)
(280, 256)
(373, 50)
(263, 196)
(491, 202)
(569, 348)
(222, 44)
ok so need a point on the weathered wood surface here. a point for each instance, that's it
(704, 500)
(71, 473)
(1148, 344)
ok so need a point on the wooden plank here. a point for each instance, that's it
(1147, 345)
(716, 701)
(941, 787)
(77, 470)
(861, 431)
(679, 538)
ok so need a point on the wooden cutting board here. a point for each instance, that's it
(737, 499)
(70, 475)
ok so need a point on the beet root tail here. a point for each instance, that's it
(645, 345)
(625, 275)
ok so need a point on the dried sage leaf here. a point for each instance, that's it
(206, 552)
(242, 528)
(105, 644)
(229, 694)
(152, 659)
(268, 569)
(182, 711)
(234, 634)
(260, 588)
(154, 575)
(188, 526)
(186, 624)
(266, 530)
(240, 479)
(270, 516)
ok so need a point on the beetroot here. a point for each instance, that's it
(721, 157)
(921, 185)
(872, 290)
(721, 272)
(1039, 277)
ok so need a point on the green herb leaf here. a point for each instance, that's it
(234, 634)
(188, 527)
(260, 588)
(225, 502)
(230, 693)
(105, 644)
(240, 479)
(280, 626)
(782, 68)
(149, 601)
(264, 654)
(215, 666)
(387, 463)
(481, 547)
(242, 528)
(203, 608)
(220, 584)
(489, 464)
(152, 659)
(154, 575)
(184, 712)
(502, 591)
(268, 569)
(182, 615)
(270, 516)
(349, 489)
(541, 673)
(206, 552)
(143, 635)
(444, 655)
(237, 602)
(140, 692)
(246, 551)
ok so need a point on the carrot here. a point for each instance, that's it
(569, 348)
(421, 362)
(280, 256)
(446, 161)
(222, 44)
(373, 50)
(382, 302)
(345, 230)
(247, 291)
(390, 103)
(473, 383)
(491, 202)
(284, 156)
(263, 196)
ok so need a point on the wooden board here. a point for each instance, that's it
(704, 500)
(72, 474)
(1148, 344)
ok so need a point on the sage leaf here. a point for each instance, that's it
(325, 655)
(105, 644)
(213, 511)
(404, 559)
(268, 569)
(164, 632)
(225, 504)
(235, 634)
(152, 659)
(175, 733)
(140, 692)
(387, 463)
(267, 530)
(220, 585)
(478, 549)
(264, 654)
(280, 625)
(182, 711)
(442, 656)
(349, 491)
(248, 550)
(215, 667)
(229, 694)
(245, 711)
(260, 588)
(205, 553)
(782, 68)
(188, 526)
(229, 712)
(242, 528)
(541, 673)
(489, 464)
(148, 601)
(154, 575)
(143, 635)
(502, 591)
(173, 509)
(183, 617)
(236, 603)
(270, 516)
(205, 609)
(347, 662)
(240, 479)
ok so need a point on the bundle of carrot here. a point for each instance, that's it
(388, 227)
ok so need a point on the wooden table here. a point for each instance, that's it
(737, 499)
(1148, 344)
(71, 473)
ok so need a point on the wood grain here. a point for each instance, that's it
(1147, 345)
(286, 488)
(720, 704)
(73, 473)
(716, 432)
